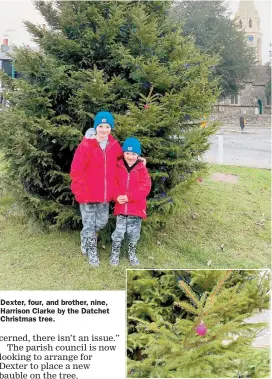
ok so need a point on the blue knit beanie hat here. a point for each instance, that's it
(132, 145)
(104, 118)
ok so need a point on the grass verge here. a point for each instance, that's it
(219, 225)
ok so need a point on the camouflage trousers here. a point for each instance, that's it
(94, 217)
(127, 224)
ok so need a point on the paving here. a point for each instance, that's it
(250, 148)
(218, 177)
(264, 337)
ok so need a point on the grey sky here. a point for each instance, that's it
(13, 12)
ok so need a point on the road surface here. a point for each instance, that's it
(264, 337)
(252, 148)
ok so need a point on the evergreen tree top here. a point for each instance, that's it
(124, 57)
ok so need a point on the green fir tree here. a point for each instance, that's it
(214, 32)
(124, 57)
(168, 310)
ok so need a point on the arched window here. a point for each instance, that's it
(250, 23)
(240, 24)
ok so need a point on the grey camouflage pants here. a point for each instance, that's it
(94, 217)
(131, 225)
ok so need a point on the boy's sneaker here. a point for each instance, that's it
(115, 252)
(134, 261)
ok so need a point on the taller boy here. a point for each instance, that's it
(92, 173)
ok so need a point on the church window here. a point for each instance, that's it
(240, 23)
(250, 23)
(234, 100)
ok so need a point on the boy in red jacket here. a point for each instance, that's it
(132, 185)
(92, 174)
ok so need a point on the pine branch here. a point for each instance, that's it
(203, 299)
(48, 11)
(36, 31)
(189, 292)
(187, 307)
(217, 288)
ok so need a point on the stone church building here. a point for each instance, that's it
(252, 100)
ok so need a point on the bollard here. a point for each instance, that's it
(220, 148)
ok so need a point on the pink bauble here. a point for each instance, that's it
(146, 106)
(201, 330)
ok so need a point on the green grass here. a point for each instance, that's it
(212, 214)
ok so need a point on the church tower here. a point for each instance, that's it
(248, 19)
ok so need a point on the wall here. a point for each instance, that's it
(251, 119)
(248, 102)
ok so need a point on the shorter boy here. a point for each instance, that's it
(132, 185)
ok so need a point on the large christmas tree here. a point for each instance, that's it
(192, 324)
(124, 57)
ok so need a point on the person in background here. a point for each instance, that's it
(132, 185)
(242, 122)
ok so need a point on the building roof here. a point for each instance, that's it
(247, 8)
(4, 56)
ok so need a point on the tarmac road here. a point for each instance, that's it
(264, 337)
(251, 148)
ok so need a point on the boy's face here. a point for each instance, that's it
(130, 158)
(102, 131)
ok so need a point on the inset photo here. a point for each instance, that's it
(198, 323)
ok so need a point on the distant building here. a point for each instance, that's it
(5, 59)
(252, 100)
(247, 18)
(5, 64)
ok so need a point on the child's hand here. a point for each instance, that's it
(121, 199)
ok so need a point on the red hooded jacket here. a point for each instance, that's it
(136, 184)
(93, 170)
